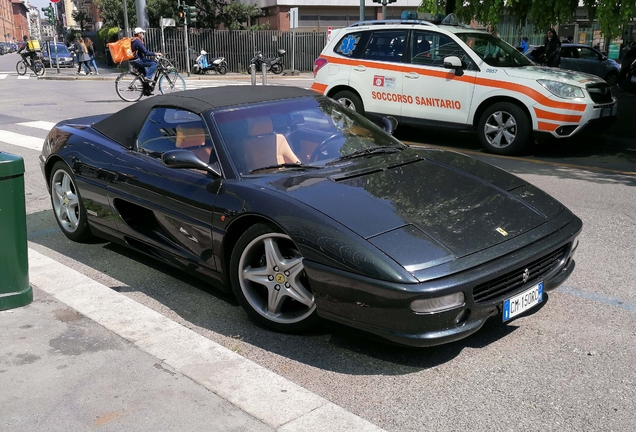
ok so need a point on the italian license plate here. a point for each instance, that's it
(522, 302)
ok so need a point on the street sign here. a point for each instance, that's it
(167, 22)
(54, 1)
(293, 18)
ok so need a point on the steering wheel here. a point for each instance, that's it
(322, 147)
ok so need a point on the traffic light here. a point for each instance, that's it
(191, 14)
(49, 13)
(181, 15)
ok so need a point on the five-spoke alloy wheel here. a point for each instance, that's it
(67, 204)
(268, 278)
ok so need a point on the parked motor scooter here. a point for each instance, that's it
(274, 64)
(202, 66)
(627, 73)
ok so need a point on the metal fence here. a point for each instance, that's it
(237, 46)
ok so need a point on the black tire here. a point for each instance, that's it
(612, 78)
(129, 87)
(38, 68)
(67, 204)
(196, 69)
(280, 282)
(350, 100)
(21, 67)
(504, 129)
(277, 68)
(222, 69)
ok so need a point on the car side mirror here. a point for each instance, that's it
(179, 159)
(454, 62)
(389, 124)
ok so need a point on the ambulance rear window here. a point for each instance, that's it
(348, 44)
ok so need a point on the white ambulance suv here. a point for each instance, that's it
(457, 77)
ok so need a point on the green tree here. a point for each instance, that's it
(82, 18)
(233, 15)
(113, 12)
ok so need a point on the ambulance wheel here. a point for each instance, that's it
(504, 129)
(350, 100)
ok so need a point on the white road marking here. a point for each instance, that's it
(25, 141)
(242, 382)
(3, 76)
(24, 77)
(44, 125)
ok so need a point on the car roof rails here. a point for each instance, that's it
(393, 21)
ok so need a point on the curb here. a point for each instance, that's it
(113, 77)
(247, 385)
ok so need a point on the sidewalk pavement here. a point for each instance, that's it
(85, 357)
(110, 73)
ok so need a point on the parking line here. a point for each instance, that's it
(25, 141)
(249, 386)
(44, 125)
(3, 76)
(24, 76)
(598, 297)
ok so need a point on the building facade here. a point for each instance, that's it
(319, 15)
(20, 19)
(6, 21)
(47, 30)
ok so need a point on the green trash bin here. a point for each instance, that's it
(15, 290)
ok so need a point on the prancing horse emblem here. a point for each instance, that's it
(526, 275)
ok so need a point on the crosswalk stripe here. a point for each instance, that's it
(24, 77)
(3, 76)
(25, 141)
(44, 125)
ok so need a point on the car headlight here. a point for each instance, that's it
(562, 90)
(438, 304)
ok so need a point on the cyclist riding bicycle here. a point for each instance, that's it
(141, 60)
(28, 56)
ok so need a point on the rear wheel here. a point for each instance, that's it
(504, 129)
(21, 68)
(171, 84)
(350, 100)
(222, 69)
(269, 280)
(67, 204)
(277, 68)
(38, 68)
(129, 87)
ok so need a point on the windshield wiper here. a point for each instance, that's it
(366, 152)
(285, 165)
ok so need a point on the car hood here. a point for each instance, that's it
(555, 74)
(457, 204)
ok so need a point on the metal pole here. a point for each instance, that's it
(383, 9)
(293, 68)
(253, 73)
(163, 43)
(264, 67)
(361, 10)
(126, 28)
(57, 59)
(187, 51)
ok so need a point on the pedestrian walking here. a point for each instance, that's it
(82, 56)
(91, 52)
(552, 49)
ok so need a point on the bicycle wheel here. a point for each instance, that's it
(21, 68)
(129, 87)
(171, 84)
(38, 68)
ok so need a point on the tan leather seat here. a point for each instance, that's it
(263, 147)
(193, 138)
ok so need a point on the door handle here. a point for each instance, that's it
(412, 75)
(360, 69)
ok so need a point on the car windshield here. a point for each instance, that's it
(494, 51)
(61, 48)
(299, 134)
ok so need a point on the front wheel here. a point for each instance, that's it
(504, 129)
(171, 84)
(350, 100)
(277, 68)
(269, 280)
(21, 68)
(67, 204)
(129, 87)
(196, 69)
(38, 68)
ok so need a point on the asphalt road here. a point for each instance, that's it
(568, 366)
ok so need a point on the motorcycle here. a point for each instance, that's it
(627, 73)
(202, 66)
(273, 64)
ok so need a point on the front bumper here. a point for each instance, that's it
(383, 308)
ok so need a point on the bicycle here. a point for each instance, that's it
(131, 85)
(37, 67)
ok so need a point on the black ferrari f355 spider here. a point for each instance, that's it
(304, 209)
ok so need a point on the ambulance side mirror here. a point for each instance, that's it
(453, 62)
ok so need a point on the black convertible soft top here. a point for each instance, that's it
(123, 126)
